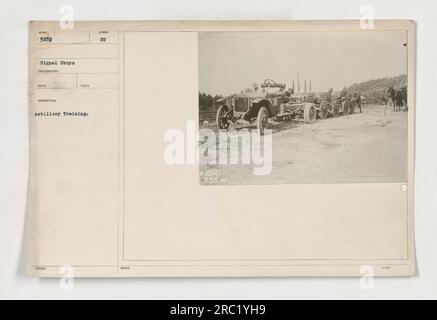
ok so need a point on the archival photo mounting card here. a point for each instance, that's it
(221, 148)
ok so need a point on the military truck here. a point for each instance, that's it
(259, 104)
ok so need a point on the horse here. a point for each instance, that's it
(404, 92)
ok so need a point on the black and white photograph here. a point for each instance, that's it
(333, 103)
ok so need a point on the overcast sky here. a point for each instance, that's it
(230, 62)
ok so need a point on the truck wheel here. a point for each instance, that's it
(309, 113)
(352, 107)
(323, 113)
(222, 117)
(345, 108)
(262, 120)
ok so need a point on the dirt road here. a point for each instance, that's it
(350, 149)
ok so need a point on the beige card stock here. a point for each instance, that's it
(108, 99)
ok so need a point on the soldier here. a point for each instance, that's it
(391, 92)
(359, 102)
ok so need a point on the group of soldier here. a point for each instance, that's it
(346, 95)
